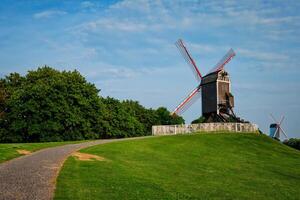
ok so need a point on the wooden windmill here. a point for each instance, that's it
(217, 100)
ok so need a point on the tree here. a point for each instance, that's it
(147, 117)
(201, 119)
(3, 96)
(165, 117)
(121, 121)
(48, 105)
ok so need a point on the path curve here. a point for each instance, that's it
(33, 177)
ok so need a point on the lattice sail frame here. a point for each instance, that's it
(221, 64)
(188, 58)
(188, 101)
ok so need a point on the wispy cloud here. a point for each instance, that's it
(262, 56)
(87, 4)
(111, 72)
(48, 14)
(112, 25)
(202, 47)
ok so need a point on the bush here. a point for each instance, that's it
(293, 142)
(201, 119)
(166, 118)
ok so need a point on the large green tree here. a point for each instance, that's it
(49, 105)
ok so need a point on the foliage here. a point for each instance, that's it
(166, 118)
(50, 105)
(197, 166)
(293, 142)
(128, 118)
(148, 117)
(3, 97)
(120, 123)
(201, 119)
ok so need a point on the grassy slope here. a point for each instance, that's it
(9, 151)
(201, 166)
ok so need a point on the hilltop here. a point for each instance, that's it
(198, 166)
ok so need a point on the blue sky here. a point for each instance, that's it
(127, 49)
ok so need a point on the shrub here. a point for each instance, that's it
(293, 142)
(201, 119)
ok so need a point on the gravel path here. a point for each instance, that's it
(32, 177)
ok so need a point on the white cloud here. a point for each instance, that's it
(87, 4)
(141, 6)
(48, 14)
(200, 47)
(113, 24)
(142, 29)
(263, 56)
(111, 72)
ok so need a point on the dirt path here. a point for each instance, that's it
(33, 176)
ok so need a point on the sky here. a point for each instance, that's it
(126, 48)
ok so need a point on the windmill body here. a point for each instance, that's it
(217, 100)
(274, 131)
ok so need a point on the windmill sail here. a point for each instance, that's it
(188, 101)
(188, 58)
(220, 65)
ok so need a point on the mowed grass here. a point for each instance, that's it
(200, 166)
(10, 151)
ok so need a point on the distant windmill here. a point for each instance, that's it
(276, 129)
(217, 101)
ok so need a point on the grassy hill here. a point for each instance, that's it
(199, 166)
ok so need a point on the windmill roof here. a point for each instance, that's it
(215, 72)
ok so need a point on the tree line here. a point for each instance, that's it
(51, 105)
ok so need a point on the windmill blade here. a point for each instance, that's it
(220, 65)
(273, 118)
(283, 132)
(282, 118)
(188, 58)
(277, 133)
(188, 101)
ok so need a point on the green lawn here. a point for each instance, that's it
(9, 151)
(200, 166)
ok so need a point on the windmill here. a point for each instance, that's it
(217, 101)
(276, 129)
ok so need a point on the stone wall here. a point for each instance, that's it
(204, 127)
